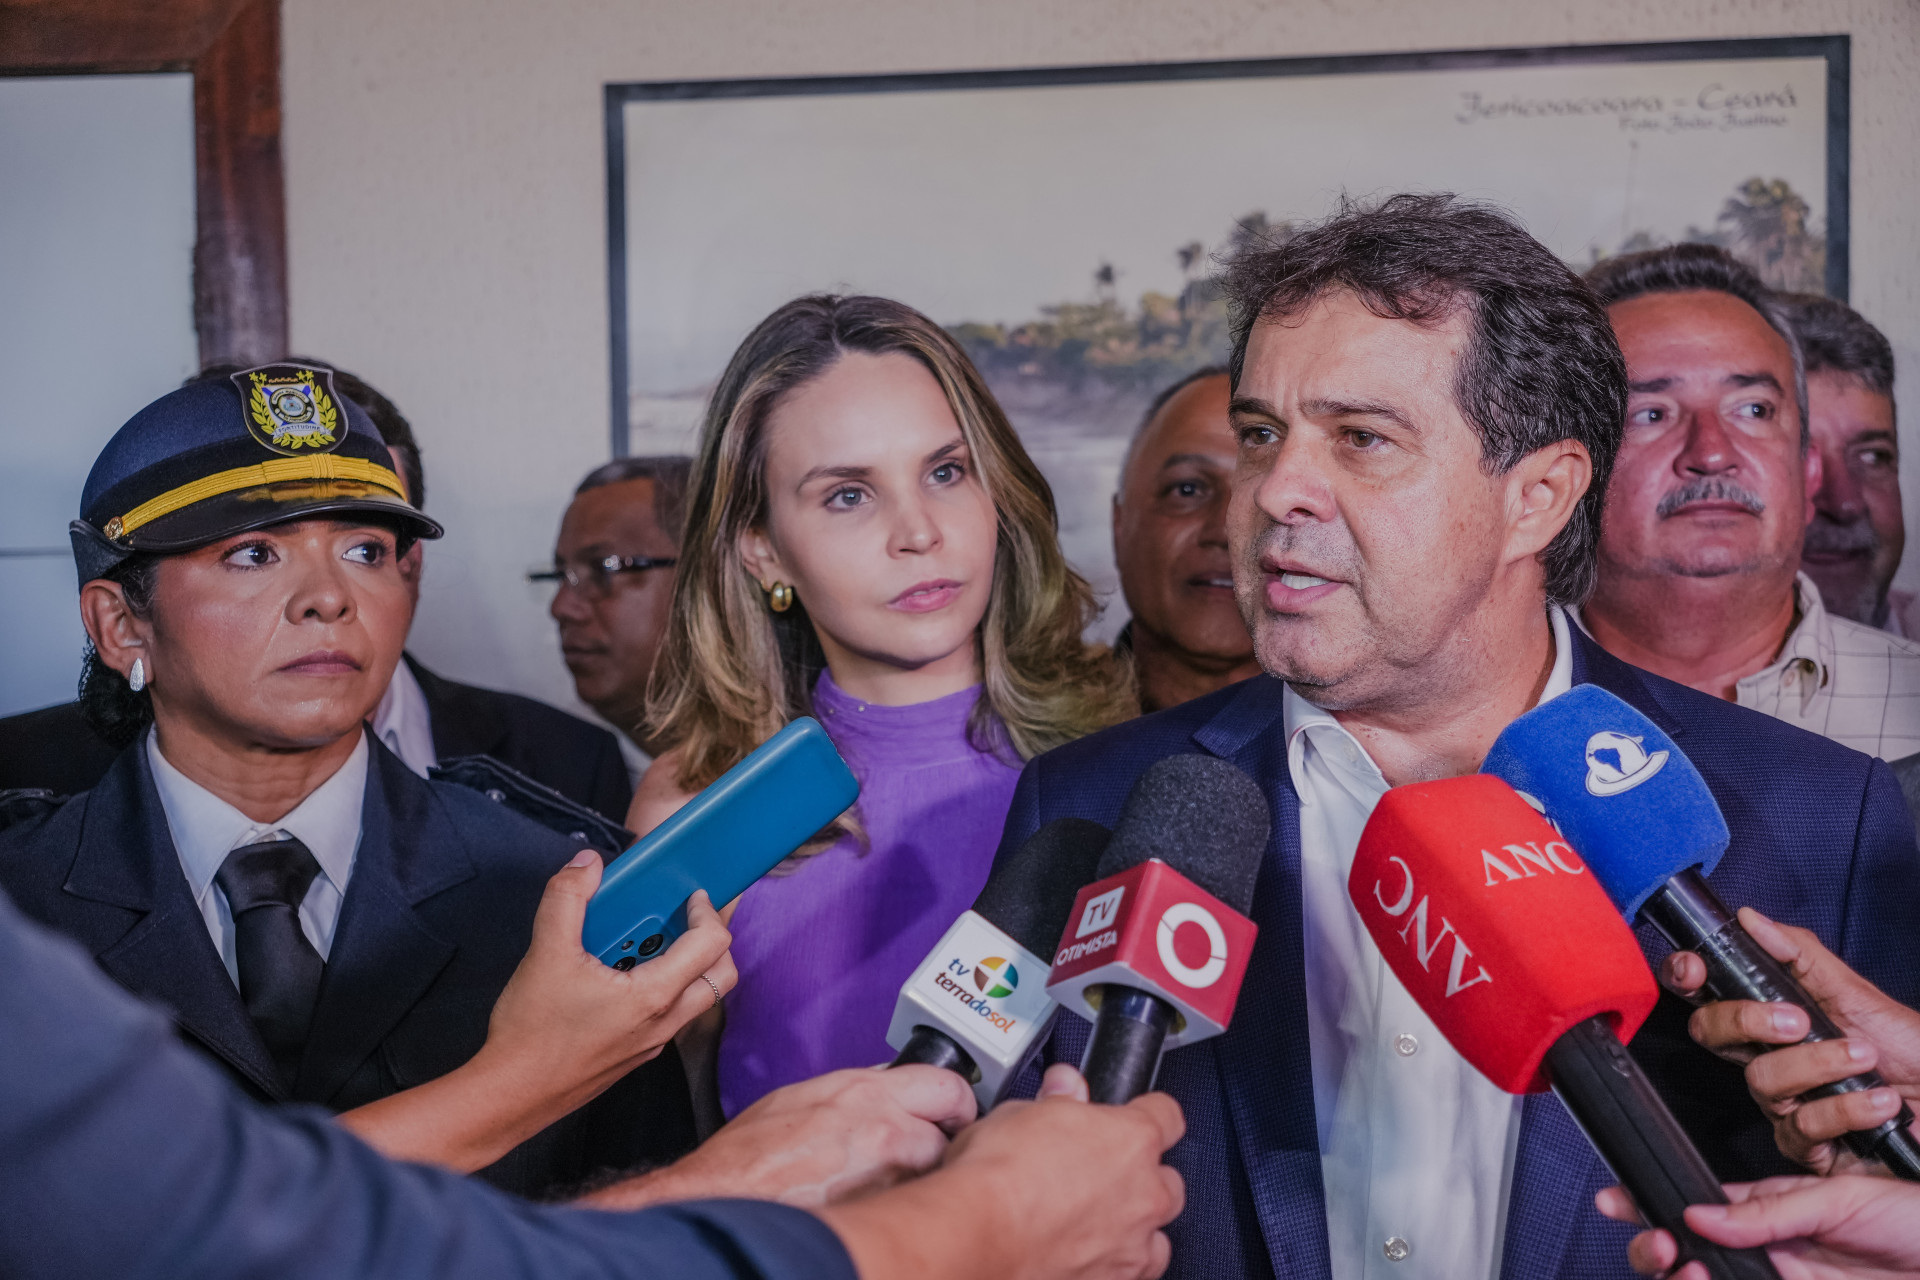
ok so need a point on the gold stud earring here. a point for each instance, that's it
(780, 597)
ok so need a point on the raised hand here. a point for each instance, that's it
(564, 1029)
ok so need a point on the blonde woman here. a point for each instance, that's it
(868, 543)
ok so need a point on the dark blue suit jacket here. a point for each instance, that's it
(1821, 838)
(437, 915)
(123, 1155)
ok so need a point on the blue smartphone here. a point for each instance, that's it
(722, 840)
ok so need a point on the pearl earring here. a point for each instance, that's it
(137, 678)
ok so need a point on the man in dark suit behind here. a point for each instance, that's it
(424, 719)
(1427, 405)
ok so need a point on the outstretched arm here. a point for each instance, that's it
(126, 1155)
(565, 1029)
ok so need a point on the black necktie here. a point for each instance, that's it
(279, 969)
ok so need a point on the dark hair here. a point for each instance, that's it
(395, 431)
(1834, 338)
(107, 702)
(1160, 402)
(1691, 268)
(1541, 364)
(669, 474)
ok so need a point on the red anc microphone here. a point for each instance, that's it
(1155, 950)
(1505, 939)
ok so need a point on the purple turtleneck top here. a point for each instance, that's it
(823, 951)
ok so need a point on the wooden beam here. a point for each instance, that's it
(71, 37)
(233, 49)
(240, 254)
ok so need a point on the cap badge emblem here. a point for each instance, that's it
(291, 409)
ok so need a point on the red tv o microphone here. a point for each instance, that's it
(1155, 949)
(1534, 979)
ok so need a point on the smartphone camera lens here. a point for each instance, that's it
(653, 944)
(625, 963)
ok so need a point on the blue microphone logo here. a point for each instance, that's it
(1616, 762)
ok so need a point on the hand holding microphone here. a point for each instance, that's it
(1844, 1228)
(1495, 927)
(1051, 1189)
(1643, 818)
(1155, 949)
(1882, 1035)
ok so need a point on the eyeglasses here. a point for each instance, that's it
(594, 578)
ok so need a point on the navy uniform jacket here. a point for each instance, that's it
(438, 912)
(124, 1156)
(54, 748)
(1821, 838)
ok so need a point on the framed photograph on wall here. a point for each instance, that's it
(1064, 222)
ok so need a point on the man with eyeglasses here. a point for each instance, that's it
(613, 572)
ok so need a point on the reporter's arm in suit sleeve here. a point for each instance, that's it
(126, 1156)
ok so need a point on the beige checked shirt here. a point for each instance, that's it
(1842, 680)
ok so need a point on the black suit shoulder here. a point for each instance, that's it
(54, 748)
(579, 760)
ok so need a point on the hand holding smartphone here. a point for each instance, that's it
(722, 840)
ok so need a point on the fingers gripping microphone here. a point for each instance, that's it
(978, 1004)
(1642, 817)
(1534, 979)
(1154, 950)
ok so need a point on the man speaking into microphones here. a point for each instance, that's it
(1428, 404)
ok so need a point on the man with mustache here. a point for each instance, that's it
(1427, 405)
(1711, 500)
(1185, 636)
(1858, 532)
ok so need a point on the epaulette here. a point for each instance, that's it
(508, 786)
(18, 804)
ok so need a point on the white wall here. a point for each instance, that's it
(447, 225)
(96, 319)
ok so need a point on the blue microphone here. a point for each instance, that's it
(1641, 816)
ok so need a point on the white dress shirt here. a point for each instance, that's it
(402, 722)
(206, 829)
(1416, 1147)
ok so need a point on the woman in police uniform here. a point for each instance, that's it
(325, 924)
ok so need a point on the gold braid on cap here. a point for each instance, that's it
(314, 466)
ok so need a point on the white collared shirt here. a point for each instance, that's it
(206, 829)
(403, 723)
(1416, 1146)
(1843, 680)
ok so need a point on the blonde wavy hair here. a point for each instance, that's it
(731, 672)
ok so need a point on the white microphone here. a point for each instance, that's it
(978, 1004)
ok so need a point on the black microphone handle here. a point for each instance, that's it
(1123, 1054)
(1612, 1101)
(938, 1049)
(1690, 915)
